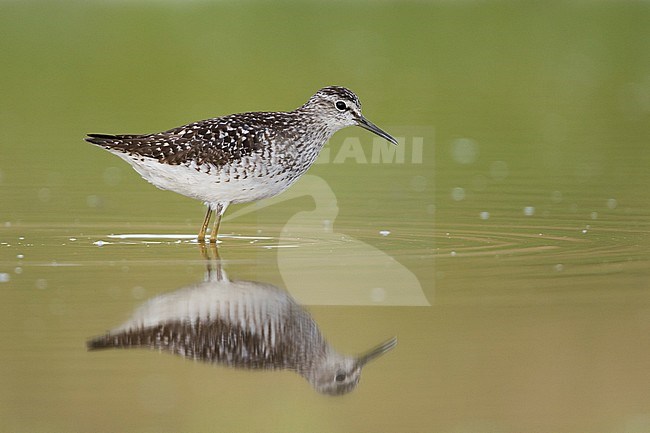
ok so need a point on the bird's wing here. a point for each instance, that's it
(213, 141)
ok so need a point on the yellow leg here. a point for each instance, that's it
(212, 261)
(204, 252)
(204, 226)
(219, 211)
(215, 227)
(208, 254)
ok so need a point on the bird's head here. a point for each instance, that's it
(340, 107)
(338, 374)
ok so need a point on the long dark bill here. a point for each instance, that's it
(376, 352)
(367, 124)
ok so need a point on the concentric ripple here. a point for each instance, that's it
(576, 243)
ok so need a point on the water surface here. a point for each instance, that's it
(508, 250)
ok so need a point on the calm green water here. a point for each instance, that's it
(507, 248)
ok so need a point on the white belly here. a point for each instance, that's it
(224, 185)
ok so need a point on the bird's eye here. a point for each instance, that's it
(340, 377)
(341, 106)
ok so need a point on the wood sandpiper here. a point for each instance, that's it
(241, 324)
(240, 157)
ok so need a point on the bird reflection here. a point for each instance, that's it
(241, 324)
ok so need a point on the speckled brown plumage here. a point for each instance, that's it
(240, 157)
(240, 324)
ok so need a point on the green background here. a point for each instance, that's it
(539, 319)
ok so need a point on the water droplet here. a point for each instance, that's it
(41, 284)
(453, 254)
(99, 243)
(559, 267)
(18, 270)
(93, 201)
(464, 150)
(384, 232)
(484, 215)
(612, 203)
(378, 294)
(458, 194)
(73, 239)
(584, 231)
(20, 256)
(594, 215)
(529, 210)
(4, 277)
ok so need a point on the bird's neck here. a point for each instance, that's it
(316, 128)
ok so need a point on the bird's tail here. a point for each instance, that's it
(104, 139)
(107, 341)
